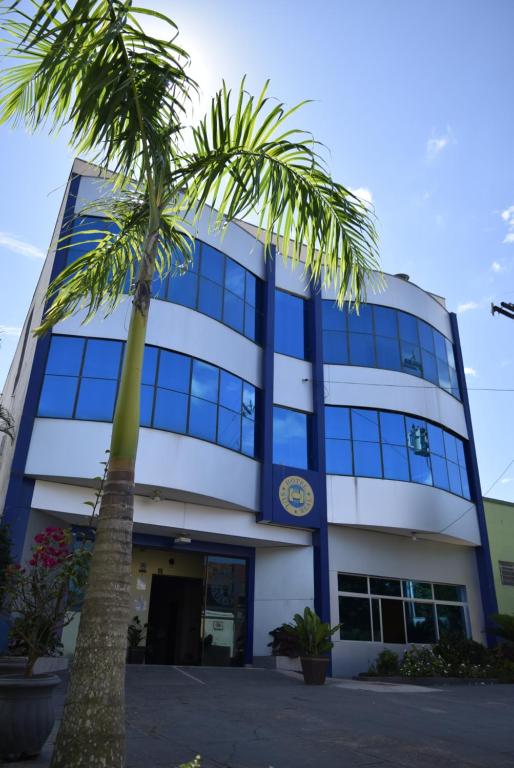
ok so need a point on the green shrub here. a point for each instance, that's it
(285, 642)
(503, 626)
(387, 663)
(464, 657)
(423, 662)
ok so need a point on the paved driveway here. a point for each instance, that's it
(255, 718)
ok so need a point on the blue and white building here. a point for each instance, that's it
(291, 454)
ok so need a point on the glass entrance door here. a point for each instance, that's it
(223, 612)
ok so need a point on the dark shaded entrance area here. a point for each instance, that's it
(174, 620)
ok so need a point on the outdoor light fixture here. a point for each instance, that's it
(414, 536)
(182, 539)
(156, 496)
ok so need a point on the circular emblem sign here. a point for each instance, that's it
(296, 496)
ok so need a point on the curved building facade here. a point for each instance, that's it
(292, 453)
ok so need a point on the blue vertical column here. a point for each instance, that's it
(320, 535)
(268, 365)
(483, 554)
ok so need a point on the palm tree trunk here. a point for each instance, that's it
(92, 732)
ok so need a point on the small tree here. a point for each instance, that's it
(91, 66)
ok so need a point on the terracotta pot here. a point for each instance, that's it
(314, 669)
(26, 714)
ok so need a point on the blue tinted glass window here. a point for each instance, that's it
(233, 311)
(96, 399)
(290, 438)
(65, 355)
(235, 278)
(250, 322)
(363, 321)
(454, 382)
(147, 393)
(182, 289)
(429, 367)
(444, 374)
(392, 428)
(251, 289)
(158, 286)
(465, 483)
(334, 319)
(337, 422)
(229, 429)
(440, 472)
(202, 419)
(435, 440)
(396, 464)
(461, 458)
(102, 359)
(364, 424)
(411, 358)
(440, 345)
(386, 323)
(426, 336)
(249, 401)
(58, 396)
(289, 324)
(362, 349)
(212, 264)
(450, 444)
(87, 231)
(149, 365)
(417, 440)
(174, 371)
(420, 468)
(454, 478)
(230, 391)
(170, 410)
(205, 381)
(449, 353)
(335, 347)
(408, 327)
(248, 437)
(388, 353)
(339, 457)
(210, 298)
(367, 459)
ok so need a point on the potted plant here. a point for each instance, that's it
(135, 635)
(314, 641)
(39, 600)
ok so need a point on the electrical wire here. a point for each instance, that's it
(410, 386)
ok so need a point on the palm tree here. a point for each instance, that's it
(91, 66)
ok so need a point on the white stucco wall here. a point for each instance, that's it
(378, 554)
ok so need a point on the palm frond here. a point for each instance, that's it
(109, 269)
(248, 162)
(91, 65)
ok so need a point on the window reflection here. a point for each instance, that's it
(290, 325)
(290, 438)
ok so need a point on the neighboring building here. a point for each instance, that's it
(499, 517)
(290, 454)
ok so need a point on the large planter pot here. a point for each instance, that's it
(26, 714)
(12, 665)
(314, 669)
(136, 655)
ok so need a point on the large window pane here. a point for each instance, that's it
(387, 587)
(350, 582)
(334, 319)
(420, 589)
(249, 405)
(435, 440)
(248, 437)
(174, 371)
(58, 396)
(182, 289)
(363, 321)
(408, 328)
(365, 424)
(102, 359)
(388, 353)
(411, 358)
(96, 399)
(233, 311)
(235, 278)
(392, 428)
(147, 394)
(337, 422)
(205, 381)
(231, 388)
(444, 374)
(212, 263)
(289, 324)
(465, 483)
(420, 621)
(386, 323)
(202, 419)
(251, 292)
(451, 619)
(355, 617)
(170, 410)
(65, 355)
(149, 365)
(454, 478)
(338, 457)
(229, 429)
(430, 372)
(251, 322)
(440, 345)
(440, 472)
(450, 592)
(396, 464)
(210, 298)
(335, 347)
(362, 349)
(367, 459)
(426, 336)
(290, 438)
(450, 444)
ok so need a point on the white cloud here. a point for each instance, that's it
(470, 371)
(437, 144)
(10, 330)
(466, 307)
(16, 245)
(364, 193)
(497, 267)
(506, 480)
(508, 217)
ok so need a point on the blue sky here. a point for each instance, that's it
(414, 100)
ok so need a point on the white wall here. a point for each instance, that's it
(284, 585)
(377, 554)
(366, 501)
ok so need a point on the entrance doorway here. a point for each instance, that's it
(199, 620)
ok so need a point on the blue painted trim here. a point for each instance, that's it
(250, 607)
(483, 554)
(320, 537)
(268, 365)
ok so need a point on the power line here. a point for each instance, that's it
(410, 386)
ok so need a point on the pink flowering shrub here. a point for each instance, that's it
(40, 598)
